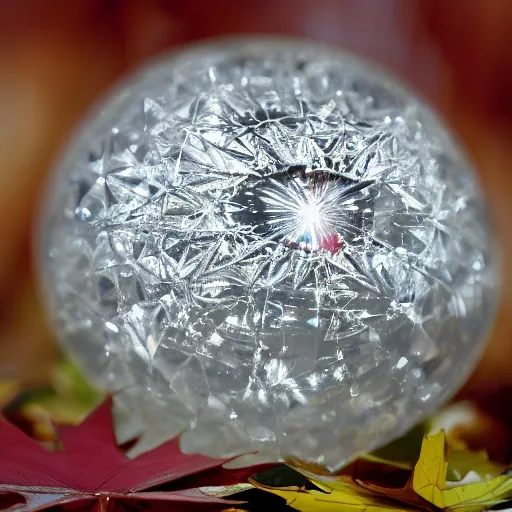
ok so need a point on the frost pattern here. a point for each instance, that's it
(274, 247)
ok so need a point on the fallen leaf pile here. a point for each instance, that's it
(368, 485)
(46, 465)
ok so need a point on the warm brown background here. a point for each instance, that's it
(57, 56)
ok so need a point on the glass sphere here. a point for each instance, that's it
(269, 245)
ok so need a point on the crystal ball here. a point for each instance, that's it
(269, 245)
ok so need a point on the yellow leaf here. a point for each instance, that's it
(429, 481)
(429, 476)
(482, 495)
(332, 494)
(375, 485)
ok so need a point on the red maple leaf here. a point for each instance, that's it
(92, 472)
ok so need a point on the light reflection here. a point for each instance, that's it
(310, 209)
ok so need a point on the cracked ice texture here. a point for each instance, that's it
(271, 246)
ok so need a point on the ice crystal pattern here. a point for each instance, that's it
(270, 246)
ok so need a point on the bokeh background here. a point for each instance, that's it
(57, 57)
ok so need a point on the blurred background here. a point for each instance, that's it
(58, 56)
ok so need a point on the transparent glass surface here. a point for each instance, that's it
(269, 245)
